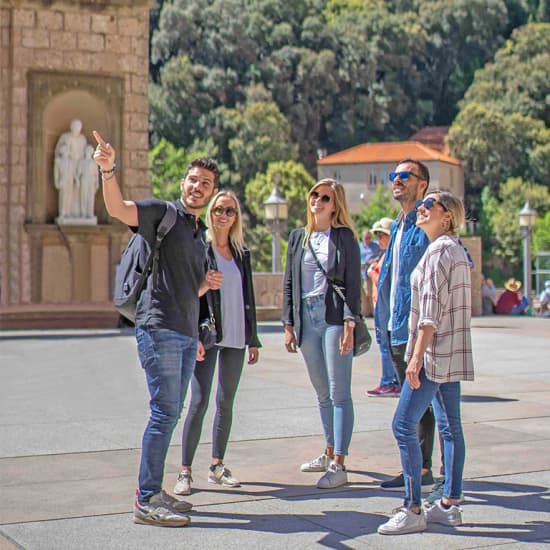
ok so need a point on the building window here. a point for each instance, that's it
(372, 179)
(383, 178)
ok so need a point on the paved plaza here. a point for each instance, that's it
(73, 405)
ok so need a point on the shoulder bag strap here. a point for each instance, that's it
(335, 287)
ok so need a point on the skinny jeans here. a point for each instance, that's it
(329, 373)
(230, 366)
(445, 400)
(426, 424)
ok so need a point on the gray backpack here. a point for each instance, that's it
(137, 262)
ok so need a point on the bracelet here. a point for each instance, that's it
(111, 171)
(109, 177)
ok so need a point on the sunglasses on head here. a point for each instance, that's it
(403, 176)
(428, 204)
(220, 210)
(324, 198)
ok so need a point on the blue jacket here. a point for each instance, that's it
(413, 245)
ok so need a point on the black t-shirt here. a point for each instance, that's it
(172, 303)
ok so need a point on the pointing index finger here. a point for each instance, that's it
(98, 138)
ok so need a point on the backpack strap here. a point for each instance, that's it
(166, 223)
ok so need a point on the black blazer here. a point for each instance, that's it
(250, 324)
(344, 268)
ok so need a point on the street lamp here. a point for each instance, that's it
(527, 218)
(276, 215)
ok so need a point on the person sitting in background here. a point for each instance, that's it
(488, 296)
(545, 300)
(511, 302)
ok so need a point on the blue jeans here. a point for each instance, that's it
(329, 372)
(388, 372)
(168, 359)
(445, 400)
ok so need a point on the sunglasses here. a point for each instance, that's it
(428, 204)
(324, 198)
(220, 211)
(403, 176)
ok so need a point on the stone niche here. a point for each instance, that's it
(70, 264)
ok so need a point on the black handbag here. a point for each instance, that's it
(207, 326)
(362, 339)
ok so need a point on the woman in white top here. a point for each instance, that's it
(234, 312)
(439, 356)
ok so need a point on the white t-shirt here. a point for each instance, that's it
(395, 270)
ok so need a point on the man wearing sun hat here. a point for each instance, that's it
(510, 302)
(388, 386)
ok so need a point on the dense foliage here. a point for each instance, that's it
(258, 83)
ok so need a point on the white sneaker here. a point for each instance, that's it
(183, 485)
(319, 464)
(222, 476)
(403, 521)
(335, 476)
(446, 516)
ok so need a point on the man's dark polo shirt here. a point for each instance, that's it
(174, 302)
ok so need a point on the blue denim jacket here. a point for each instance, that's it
(413, 245)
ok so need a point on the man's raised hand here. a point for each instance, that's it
(104, 154)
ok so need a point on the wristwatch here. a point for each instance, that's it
(350, 323)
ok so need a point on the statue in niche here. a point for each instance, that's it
(73, 178)
(88, 182)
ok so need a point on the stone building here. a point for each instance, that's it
(61, 60)
(361, 168)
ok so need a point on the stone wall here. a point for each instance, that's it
(99, 40)
(268, 287)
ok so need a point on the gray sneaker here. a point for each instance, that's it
(319, 464)
(222, 476)
(175, 503)
(446, 516)
(437, 492)
(335, 476)
(183, 485)
(403, 521)
(158, 512)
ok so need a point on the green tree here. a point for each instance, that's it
(167, 165)
(254, 135)
(381, 205)
(517, 81)
(505, 244)
(293, 182)
(495, 146)
(541, 233)
(461, 36)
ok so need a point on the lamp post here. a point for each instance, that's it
(527, 218)
(276, 215)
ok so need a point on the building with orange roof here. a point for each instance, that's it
(363, 167)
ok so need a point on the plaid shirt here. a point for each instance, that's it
(441, 297)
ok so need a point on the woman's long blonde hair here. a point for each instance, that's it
(236, 239)
(340, 216)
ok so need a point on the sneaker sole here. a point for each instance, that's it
(182, 508)
(315, 470)
(157, 523)
(182, 492)
(382, 395)
(401, 488)
(403, 532)
(333, 486)
(223, 484)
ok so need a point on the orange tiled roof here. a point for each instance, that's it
(387, 152)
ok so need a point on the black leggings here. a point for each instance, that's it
(230, 366)
(426, 426)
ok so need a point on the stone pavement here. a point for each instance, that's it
(73, 408)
